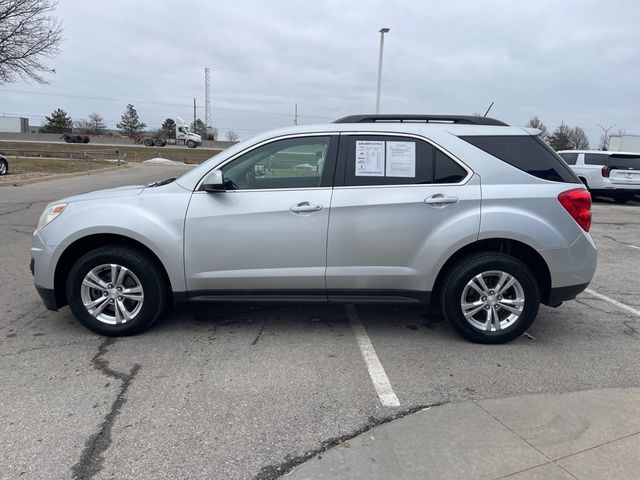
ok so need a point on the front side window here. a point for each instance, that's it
(289, 163)
(394, 160)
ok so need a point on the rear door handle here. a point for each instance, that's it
(305, 207)
(440, 200)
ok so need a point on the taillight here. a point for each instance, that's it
(578, 203)
(606, 170)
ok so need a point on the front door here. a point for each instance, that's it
(267, 232)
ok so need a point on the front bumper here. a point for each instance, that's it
(48, 297)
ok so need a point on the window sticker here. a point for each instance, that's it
(369, 159)
(401, 159)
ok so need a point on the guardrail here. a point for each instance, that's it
(79, 160)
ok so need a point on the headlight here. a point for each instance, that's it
(51, 212)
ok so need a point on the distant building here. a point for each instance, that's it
(624, 143)
(14, 125)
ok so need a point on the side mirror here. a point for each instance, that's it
(213, 182)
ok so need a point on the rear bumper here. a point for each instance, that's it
(558, 295)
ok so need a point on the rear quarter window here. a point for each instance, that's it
(526, 153)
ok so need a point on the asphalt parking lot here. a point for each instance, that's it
(235, 391)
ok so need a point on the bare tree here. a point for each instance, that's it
(578, 139)
(535, 122)
(232, 136)
(28, 35)
(97, 123)
(93, 125)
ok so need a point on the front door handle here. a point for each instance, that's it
(305, 207)
(440, 200)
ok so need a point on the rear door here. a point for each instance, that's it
(398, 205)
(624, 169)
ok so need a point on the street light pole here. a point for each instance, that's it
(605, 143)
(382, 32)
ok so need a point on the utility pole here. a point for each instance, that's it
(605, 142)
(207, 101)
(382, 32)
(194, 112)
(295, 115)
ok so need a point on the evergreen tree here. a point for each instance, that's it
(58, 122)
(168, 127)
(199, 127)
(535, 122)
(560, 138)
(130, 125)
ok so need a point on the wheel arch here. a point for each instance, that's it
(90, 242)
(523, 252)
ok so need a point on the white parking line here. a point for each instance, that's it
(376, 371)
(613, 302)
(632, 246)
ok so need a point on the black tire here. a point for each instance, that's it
(86, 139)
(585, 183)
(621, 197)
(148, 142)
(4, 167)
(464, 271)
(146, 271)
(191, 144)
(68, 138)
(158, 142)
(77, 139)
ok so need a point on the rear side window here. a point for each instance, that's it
(624, 162)
(396, 160)
(570, 158)
(595, 158)
(527, 153)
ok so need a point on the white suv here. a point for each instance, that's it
(615, 174)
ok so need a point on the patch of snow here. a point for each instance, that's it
(163, 161)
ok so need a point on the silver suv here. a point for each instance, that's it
(475, 217)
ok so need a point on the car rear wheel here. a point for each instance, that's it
(621, 197)
(4, 166)
(116, 291)
(490, 298)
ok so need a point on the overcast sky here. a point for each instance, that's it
(577, 62)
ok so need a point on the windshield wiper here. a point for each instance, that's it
(163, 182)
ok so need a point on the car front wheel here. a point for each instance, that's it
(490, 298)
(116, 290)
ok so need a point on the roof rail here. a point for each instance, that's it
(404, 118)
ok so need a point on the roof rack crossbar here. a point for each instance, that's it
(410, 118)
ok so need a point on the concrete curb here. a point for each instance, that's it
(29, 181)
(585, 435)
